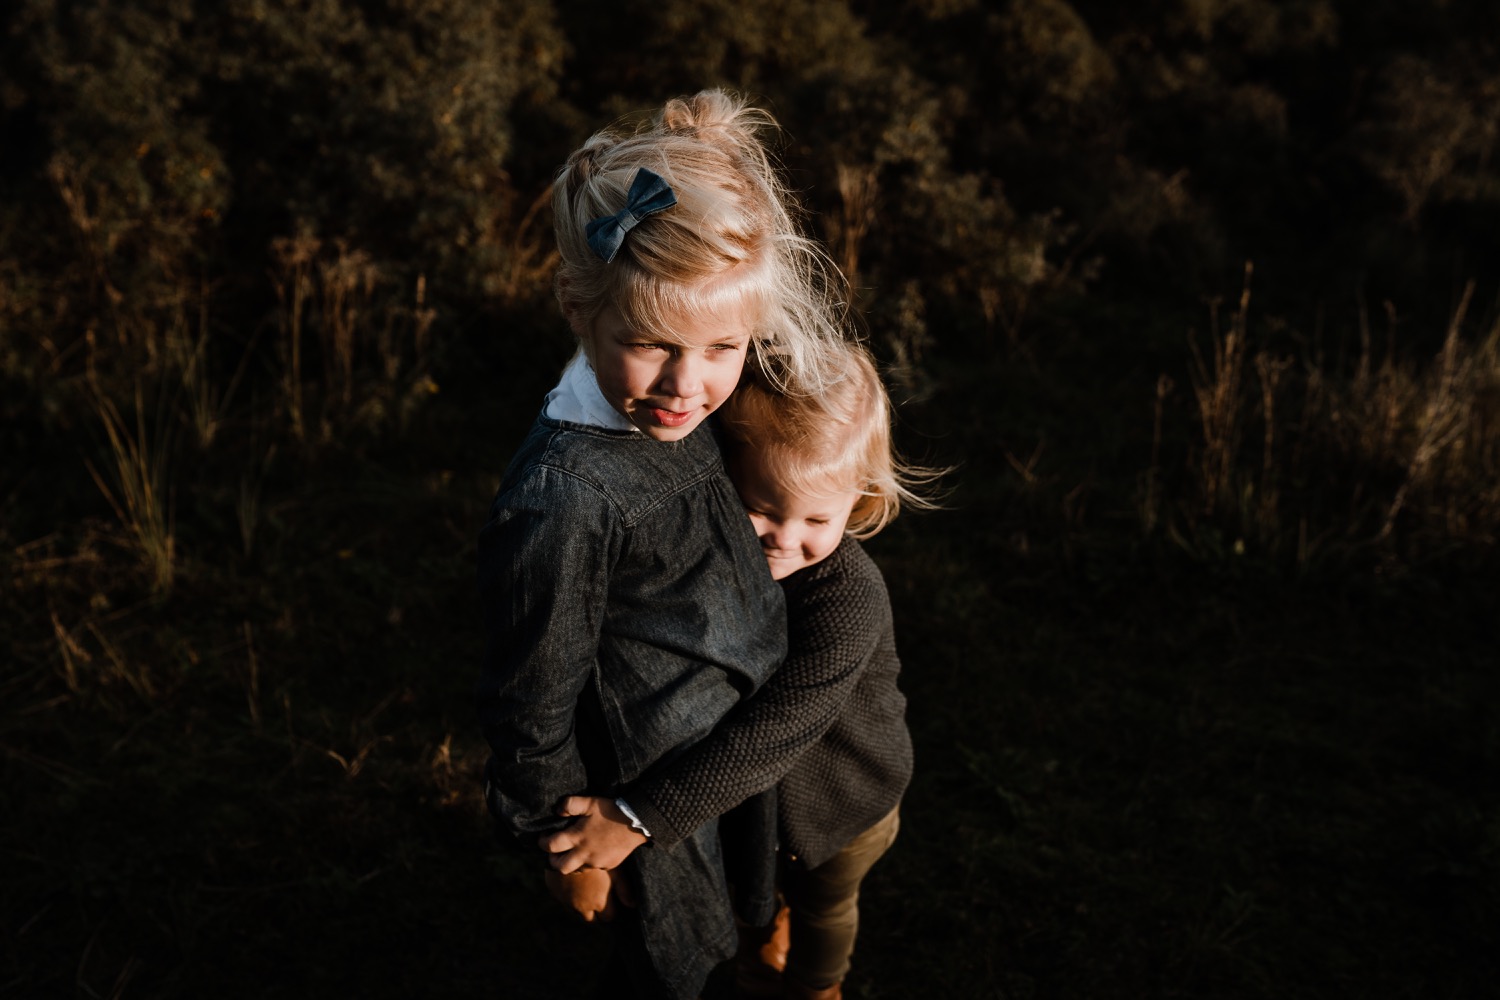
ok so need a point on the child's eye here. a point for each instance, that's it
(817, 520)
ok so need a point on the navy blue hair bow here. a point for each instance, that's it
(649, 194)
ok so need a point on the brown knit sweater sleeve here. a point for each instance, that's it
(834, 622)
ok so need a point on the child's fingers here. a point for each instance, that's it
(567, 862)
(574, 805)
(558, 841)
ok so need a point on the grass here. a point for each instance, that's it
(1144, 768)
(137, 486)
(1393, 460)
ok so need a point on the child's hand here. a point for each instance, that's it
(586, 893)
(600, 836)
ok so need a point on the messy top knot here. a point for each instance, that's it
(729, 241)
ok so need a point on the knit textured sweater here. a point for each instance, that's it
(828, 729)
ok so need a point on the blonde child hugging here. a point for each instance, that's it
(816, 474)
(626, 602)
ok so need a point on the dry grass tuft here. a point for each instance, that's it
(351, 355)
(137, 487)
(1400, 457)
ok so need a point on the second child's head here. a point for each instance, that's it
(811, 469)
(680, 261)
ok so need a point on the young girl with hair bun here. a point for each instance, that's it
(816, 473)
(626, 601)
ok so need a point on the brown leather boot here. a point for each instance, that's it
(762, 956)
(796, 991)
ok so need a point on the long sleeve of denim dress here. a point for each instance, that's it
(538, 570)
(828, 728)
(628, 608)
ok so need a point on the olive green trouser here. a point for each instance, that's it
(825, 905)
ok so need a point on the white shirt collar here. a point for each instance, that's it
(577, 399)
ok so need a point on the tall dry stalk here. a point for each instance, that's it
(71, 652)
(1375, 409)
(68, 180)
(247, 501)
(139, 459)
(106, 665)
(207, 401)
(1267, 519)
(252, 677)
(188, 355)
(1444, 415)
(422, 320)
(1219, 389)
(909, 340)
(346, 284)
(530, 255)
(858, 188)
(293, 279)
(1151, 502)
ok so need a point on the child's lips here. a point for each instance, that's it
(671, 418)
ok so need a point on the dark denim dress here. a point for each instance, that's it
(628, 607)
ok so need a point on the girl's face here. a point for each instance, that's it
(667, 387)
(795, 531)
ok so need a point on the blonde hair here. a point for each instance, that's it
(730, 240)
(815, 446)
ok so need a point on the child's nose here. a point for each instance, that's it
(683, 375)
(777, 536)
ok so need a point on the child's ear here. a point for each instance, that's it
(572, 312)
(574, 316)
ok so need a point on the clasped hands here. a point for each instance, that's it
(586, 854)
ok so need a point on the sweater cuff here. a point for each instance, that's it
(663, 833)
(635, 821)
